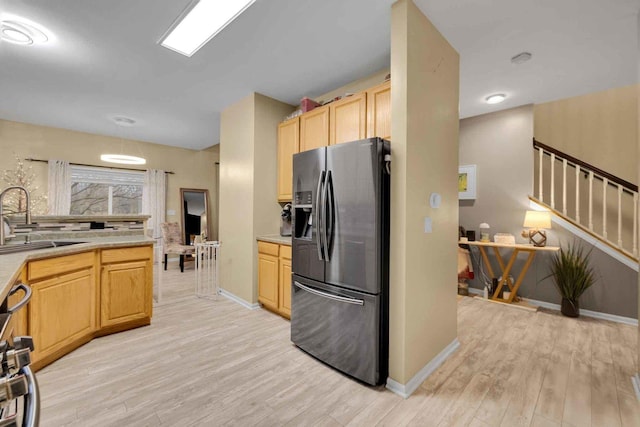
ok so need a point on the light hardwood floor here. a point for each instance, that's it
(213, 363)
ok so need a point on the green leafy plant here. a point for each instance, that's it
(571, 271)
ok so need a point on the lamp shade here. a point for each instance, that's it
(537, 219)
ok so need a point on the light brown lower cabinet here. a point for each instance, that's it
(62, 311)
(274, 277)
(72, 303)
(125, 287)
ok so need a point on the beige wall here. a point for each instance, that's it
(248, 197)
(266, 211)
(236, 198)
(599, 128)
(193, 169)
(424, 127)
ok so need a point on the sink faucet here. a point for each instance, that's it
(28, 213)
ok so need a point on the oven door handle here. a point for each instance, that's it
(31, 400)
(24, 300)
(329, 296)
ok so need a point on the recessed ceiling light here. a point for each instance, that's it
(122, 159)
(124, 121)
(496, 98)
(521, 58)
(200, 22)
(23, 33)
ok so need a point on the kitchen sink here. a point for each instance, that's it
(31, 246)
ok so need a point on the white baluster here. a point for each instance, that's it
(540, 158)
(591, 200)
(605, 183)
(564, 187)
(553, 181)
(578, 194)
(635, 224)
(620, 216)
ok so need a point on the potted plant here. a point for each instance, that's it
(572, 275)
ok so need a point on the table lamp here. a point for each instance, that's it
(536, 222)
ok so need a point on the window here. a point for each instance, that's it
(97, 191)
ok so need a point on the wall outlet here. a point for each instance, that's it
(427, 225)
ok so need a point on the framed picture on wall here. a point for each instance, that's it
(467, 182)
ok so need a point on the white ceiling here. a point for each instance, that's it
(104, 60)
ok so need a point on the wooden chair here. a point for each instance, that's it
(172, 243)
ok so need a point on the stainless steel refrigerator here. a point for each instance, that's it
(340, 257)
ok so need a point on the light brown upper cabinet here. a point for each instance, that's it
(347, 119)
(288, 145)
(379, 111)
(314, 129)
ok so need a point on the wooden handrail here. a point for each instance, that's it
(584, 165)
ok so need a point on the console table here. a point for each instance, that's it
(506, 268)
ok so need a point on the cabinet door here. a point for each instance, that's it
(268, 281)
(284, 295)
(348, 119)
(379, 111)
(62, 312)
(314, 129)
(125, 292)
(288, 144)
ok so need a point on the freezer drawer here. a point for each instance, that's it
(340, 327)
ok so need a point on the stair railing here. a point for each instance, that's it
(623, 189)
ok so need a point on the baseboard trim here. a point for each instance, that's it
(587, 313)
(635, 380)
(406, 390)
(239, 300)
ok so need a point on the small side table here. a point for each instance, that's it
(207, 269)
(506, 268)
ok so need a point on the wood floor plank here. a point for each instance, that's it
(540, 421)
(205, 362)
(629, 410)
(577, 404)
(550, 403)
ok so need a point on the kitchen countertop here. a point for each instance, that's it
(276, 238)
(11, 264)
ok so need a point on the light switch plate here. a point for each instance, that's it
(171, 212)
(435, 200)
(427, 225)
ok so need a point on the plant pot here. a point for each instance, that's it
(570, 308)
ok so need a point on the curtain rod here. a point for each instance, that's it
(97, 166)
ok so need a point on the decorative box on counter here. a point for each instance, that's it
(307, 104)
(504, 238)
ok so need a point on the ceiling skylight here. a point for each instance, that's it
(200, 22)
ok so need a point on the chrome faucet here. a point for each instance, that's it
(28, 213)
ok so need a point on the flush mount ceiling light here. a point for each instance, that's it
(496, 98)
(200, 22)
(521, 58)
(122, 159)
(23, 33)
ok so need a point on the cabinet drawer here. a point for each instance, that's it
(126, 254)
(62, 264)
(285, 251)
(268, 248)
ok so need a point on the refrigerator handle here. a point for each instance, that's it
(318, 217)
(329, 296)
(329, 220)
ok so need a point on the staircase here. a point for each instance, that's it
(601, 205)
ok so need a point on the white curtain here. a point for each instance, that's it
(59, 197)
(154, 193)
